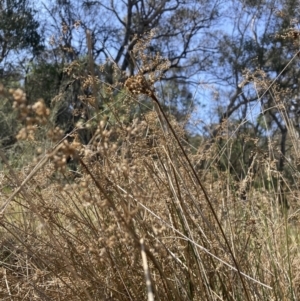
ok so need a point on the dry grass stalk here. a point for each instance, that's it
(137, 190)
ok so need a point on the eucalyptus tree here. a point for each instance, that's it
(20, 41)
(19, 30)
(114, 27)
(93, 33)
(256, 70)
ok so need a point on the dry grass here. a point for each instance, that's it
(140, 219)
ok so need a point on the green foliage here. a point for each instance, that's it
(9, 124)
(43, 80)
(236, 153)
(177, 100)
(18, 28)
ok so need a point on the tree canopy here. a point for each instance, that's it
(241, 54)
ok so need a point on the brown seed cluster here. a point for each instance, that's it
(61, 155)
(33, 115)
(138, 85)
(150, 67)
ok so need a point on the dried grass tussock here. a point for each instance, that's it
(142, 215)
